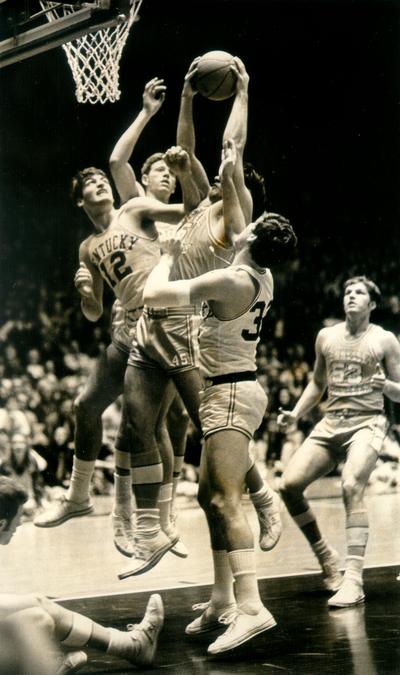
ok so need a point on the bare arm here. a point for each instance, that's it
(160, 292)
(89, 283)
(185, 135)
(236, 129)
(390, 384)
(313, 392)
(149, 208)
(121, 171)
(233, 221)
(178, 161)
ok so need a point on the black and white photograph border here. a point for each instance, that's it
(323, 132)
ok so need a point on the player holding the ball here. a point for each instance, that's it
(166, 339)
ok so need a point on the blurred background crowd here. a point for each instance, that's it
(47, 349)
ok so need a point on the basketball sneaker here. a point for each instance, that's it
(331, 576)
(179, 547)
(349, 594)
(71, 663)
(242, 627)
(147, 553)
(269, 519)
(208, 619)
(123, 534)
(140, 644)
(62, 511)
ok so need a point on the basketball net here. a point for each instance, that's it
(94, 58)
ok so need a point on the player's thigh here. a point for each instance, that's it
(311, 461)
(227, 460)
(188, 384)
(167, 401)
(106, 380)
(361, 458)
(144, 391)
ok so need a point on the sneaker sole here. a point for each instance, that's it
(148, 564)
(67, 516)
(256, 631)
(346, 604)
(205, 628)
(179, 552)
(123, 551)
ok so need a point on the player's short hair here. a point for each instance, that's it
(256, 184)
(274, 240)
(372, 288)
(12, 496)
(155, 157)
(79, 179)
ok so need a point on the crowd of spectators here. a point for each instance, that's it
(47, 349)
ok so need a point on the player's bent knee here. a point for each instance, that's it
(351, 488)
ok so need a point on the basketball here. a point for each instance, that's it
(214, 78)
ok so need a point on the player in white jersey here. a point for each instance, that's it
(166, 342)
(351, 359)
(40, 617)
(232, 404)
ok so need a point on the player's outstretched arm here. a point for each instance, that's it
(89, 284)
(160, 292)
(236, 129)
(185, 135)
(121, 170)
(233, 221)
(313, 392)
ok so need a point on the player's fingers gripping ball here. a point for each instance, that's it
(216, 75)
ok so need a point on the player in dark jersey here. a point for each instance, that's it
(70, 629)
(232, 402)
(351, 359)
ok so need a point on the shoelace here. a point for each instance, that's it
(200, 606)
(229, 617)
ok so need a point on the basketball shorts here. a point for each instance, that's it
(166, 339)
(341, 434)
(238, 406)
(123, 327)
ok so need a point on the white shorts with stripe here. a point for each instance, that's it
(239, 406)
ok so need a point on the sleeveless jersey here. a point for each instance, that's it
(201, 251)
(350, 364)
(124, 260)
(229, 345)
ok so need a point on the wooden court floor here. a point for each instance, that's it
(77, 564)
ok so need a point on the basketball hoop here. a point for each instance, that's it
(94, 57)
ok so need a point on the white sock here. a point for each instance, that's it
(81, 476)
(222, 593)
(164, 503)
(243, 566)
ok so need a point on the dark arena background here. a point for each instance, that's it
(324, 131)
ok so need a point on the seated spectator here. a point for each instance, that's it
(23, 465)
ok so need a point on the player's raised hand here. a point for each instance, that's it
(286, 418)
(242, 76)
(154, 95)
(83, 281)
(188, 88)
(177, 159)
(228, 159)
(378, 379)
